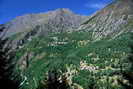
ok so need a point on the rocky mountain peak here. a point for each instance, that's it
(63, 11)
(57, 20)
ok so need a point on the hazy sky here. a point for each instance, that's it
(9, 9)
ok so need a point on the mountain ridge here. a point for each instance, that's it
(111, 20)
(59, 16)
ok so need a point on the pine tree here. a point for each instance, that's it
(128, 75)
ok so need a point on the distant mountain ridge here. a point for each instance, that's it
(110, 21)
(59, 20)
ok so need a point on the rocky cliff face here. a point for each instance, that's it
(59, 20)
(111, 21)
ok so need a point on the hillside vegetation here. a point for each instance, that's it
(83, 62)
(62, 50)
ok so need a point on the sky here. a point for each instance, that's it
(9, 9)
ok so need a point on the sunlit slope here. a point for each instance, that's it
(111, 21)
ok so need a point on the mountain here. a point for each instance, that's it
(60, 49)
(111, 21)
(59, 20)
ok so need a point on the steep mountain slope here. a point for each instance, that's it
(59, 20)
(111, 21)
(85, 58)
(81, 62)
